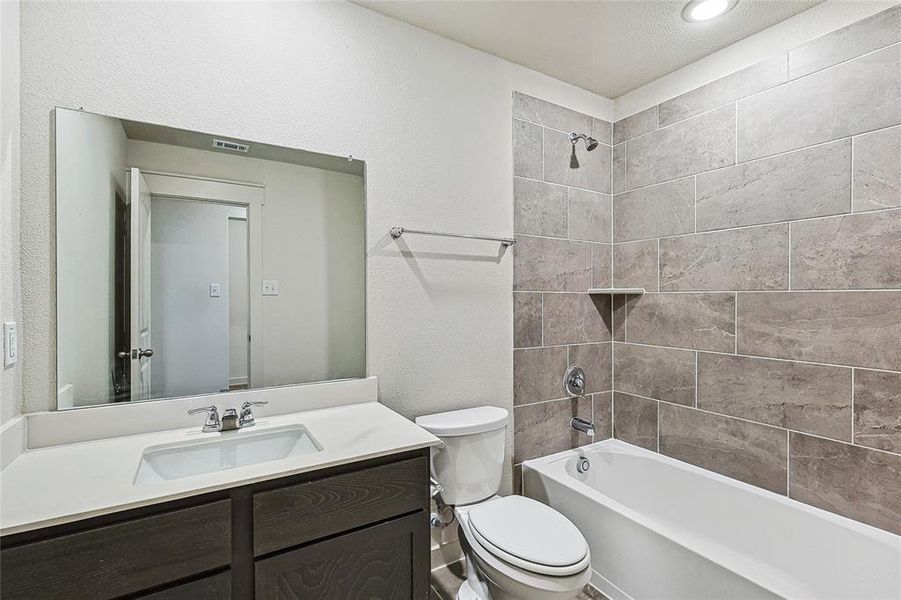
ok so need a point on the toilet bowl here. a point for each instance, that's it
(516, 548)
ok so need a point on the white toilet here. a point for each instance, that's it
(515, 547)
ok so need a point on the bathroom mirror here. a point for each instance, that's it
(191, 263)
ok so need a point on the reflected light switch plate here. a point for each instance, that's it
(215, 290)
(10, 344)
(270, 287)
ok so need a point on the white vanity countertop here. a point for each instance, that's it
(59, 484)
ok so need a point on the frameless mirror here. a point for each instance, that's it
(190, 263)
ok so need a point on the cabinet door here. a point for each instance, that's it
(213, 587)
(389, 561)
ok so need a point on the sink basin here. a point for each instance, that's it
(223, 451)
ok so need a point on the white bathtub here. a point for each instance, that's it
(663, 529)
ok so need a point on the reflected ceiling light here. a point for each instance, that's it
(704, 10)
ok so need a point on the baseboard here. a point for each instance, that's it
(446, 554)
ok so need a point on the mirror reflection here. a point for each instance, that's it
(190, 263)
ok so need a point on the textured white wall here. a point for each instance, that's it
(10, 304)
(431, 118)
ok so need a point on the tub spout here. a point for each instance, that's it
(582, 425)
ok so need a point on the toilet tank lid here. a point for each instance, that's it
(464, 422)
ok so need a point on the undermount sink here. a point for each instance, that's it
(224, 451)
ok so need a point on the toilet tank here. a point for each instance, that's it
(470, 463)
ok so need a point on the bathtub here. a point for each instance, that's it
(659, 528)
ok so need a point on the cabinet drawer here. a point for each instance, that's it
(300, 513)
(214, 587)
(389, 561)
(122, 558)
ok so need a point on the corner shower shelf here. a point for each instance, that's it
(616, 291)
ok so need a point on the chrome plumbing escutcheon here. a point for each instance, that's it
(582, 464)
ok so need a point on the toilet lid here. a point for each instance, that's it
(529, 534)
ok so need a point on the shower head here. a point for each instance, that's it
(590, 142)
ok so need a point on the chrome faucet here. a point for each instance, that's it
(230, 420)
(586, 427)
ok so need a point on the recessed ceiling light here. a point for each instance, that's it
(704, 10)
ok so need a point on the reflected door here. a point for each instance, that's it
(141, 347)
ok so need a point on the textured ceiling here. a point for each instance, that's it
(607, 46)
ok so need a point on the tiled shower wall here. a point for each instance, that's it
(761, 213)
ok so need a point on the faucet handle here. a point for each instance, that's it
(212, 422)
(247, 419)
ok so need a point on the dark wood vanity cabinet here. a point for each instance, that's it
(355, 531)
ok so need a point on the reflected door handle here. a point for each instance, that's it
(123, 355)
(145, 352)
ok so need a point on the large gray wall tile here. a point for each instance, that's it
(751, 80)
(602, 409)
(870, 34)
(854, 97)
(755, 258)
(526, 319)
(538, 374)
(576, 319)
(849, 480)
(601, 130)
(660, 373)
(847, 328)
(746, 451)
(543, 428)
(589, 215)
(596, 360)
(528, 140)
(594, 167)
(697, 144)
(702, 321)
(635, 125)
(877, 409)
(549, 114)
(804, 397)
(813, 182)
(601, 263)
(551, 264)
(618, 183)
(539, 208)
(861, 251)
(877, 170)
(635, 420)
(659, 210)
(635, 264)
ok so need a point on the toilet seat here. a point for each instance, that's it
(529, 535)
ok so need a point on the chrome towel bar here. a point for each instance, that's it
(396, 232)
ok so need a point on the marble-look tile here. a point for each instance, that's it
(538, 374)
(596, 360)
(755, 258)
(635, 264)
(601, 262)
(619, 169)
(746, 451)
(694, 145)
(635, 125)
(528, 141)
(702, 321)
(576, 319)
(447, 580)
(660, 373)
(859, 329)
(656, 211)
(861, 251)
(602, 131)
(853, 97)
(751, 80)
(813, 182)
(551, 264)
(877, 410)
(877, 170)
(602, 407)
(864, 36)
(800, 396)
(539, 208)
(589, 215)
(620, 304)
(635, 420)
(543, 428)
(593, 172)
(526, 319)
(859, 483)
(541, 112)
